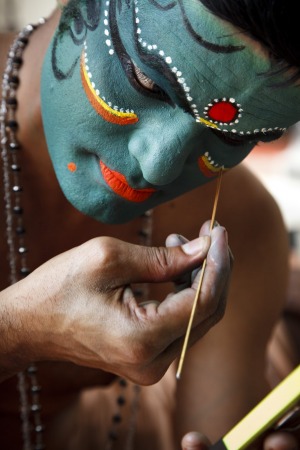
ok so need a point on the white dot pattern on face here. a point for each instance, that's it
(226, 100)
(108, 42)
(181, 80)
(97, 91)
(168, 60)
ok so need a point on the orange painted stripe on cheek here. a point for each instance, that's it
(107, 113)
(205, 170)
(208, 169)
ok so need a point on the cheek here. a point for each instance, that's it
(109, 114)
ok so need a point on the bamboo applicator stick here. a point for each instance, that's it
(191, 320)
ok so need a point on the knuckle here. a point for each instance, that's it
(159, 259)
(215, 305)
(103, 251)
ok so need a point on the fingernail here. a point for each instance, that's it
(181, 239)
(226, 236)
(199, 245)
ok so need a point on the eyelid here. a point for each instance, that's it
(143, 84)
(143, 79)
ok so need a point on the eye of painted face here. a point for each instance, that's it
(145, 85)
(144, 81)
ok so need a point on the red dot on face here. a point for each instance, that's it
(72, 167)
(222, 111)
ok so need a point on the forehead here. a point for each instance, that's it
(219, 72)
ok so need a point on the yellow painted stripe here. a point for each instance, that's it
(129, 117)
(266, 413)
(207, 122)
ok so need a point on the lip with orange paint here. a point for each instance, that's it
(118, 183)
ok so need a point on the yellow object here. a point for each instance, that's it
(265, 414)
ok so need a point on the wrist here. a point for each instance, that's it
(15, 344)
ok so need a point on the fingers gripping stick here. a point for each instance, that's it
(191, 320)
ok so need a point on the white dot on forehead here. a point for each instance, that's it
(154, 47)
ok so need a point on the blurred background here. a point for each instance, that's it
(14, 14)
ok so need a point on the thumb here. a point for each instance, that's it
(139, 264)
(195, 441)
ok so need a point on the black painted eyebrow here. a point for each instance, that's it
(216, 48)
(162, 8)
(158, 64)
(153, 61)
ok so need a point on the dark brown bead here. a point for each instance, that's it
(15, 168)
(14, 146)
(18, 210)
(122, 382)
(12, 124)
(117, 418)
(121, 400)
(24, 40)
(24, 271)
(17, 61)
(12, 101)
(35, 389)
(22, 250)
(17, 189)
(39, 428)
(20, 231)
(14, 81)
(36, 407)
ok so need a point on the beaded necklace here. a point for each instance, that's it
(28, 386)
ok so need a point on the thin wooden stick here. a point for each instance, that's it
(191, 320)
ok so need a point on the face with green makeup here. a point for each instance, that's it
(145, 100)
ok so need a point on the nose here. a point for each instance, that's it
(161, 149)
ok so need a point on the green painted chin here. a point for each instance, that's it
(132, 108)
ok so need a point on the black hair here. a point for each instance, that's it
(273, 23)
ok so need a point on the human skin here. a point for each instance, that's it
(199, 91)
(64, 385)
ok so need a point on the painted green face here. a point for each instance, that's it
(143, 100)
